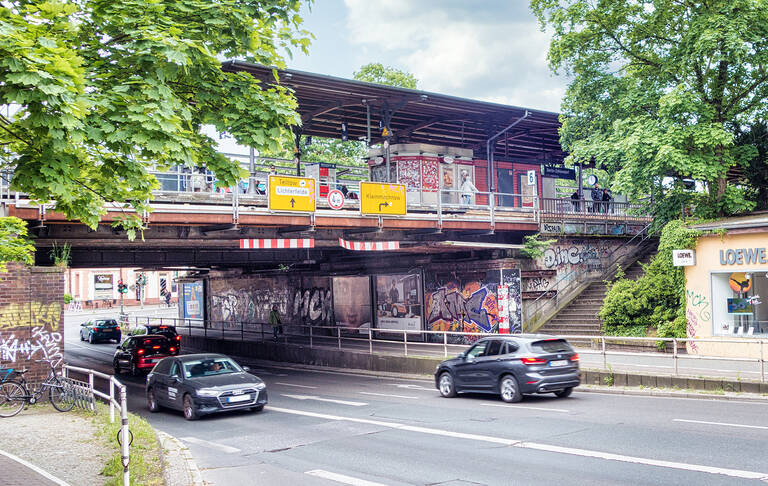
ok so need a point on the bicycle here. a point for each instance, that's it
(15, 392)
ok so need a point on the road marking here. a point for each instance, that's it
(319, 399)
(737, 473)
(38, 470)
(221, 447)
(721, 423)
(519, 407)
(385, 395)
(340, 478)
(297, 386)
(91, 348)
(411, 387)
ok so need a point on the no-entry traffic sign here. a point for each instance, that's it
(291, 194)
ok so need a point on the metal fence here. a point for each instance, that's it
(437, 344)
(114, 401)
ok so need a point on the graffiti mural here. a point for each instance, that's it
(42, 344)
(538, 283)
(470, 307)
(570, 254)
(31, 314)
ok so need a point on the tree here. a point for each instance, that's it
(754, 141)
(659, 88)
(14, 244)
(378, 73)
(106, 91)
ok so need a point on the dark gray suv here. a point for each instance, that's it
(512, 366)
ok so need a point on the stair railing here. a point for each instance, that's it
(577, 280)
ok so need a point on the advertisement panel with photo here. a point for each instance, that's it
(352, 302)
(192, 295)
(398, 302)
(103, 286)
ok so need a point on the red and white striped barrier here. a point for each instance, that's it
(276, 243)
(369, 245)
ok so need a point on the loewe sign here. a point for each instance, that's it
(740, 256)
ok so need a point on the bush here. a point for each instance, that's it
(68, 298)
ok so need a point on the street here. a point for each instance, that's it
(323, 427)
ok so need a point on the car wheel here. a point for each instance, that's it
(189, 408)
(447, 387)
(257, 408)
(134, 369)
(564, 393)
(152, 401)
(116, 367)
(81, 337)
(510, 389)
(92, 339)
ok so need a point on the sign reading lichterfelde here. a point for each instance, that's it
(683, 258)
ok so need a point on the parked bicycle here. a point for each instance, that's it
(15, 392)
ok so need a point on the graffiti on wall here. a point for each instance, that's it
(538, 283)
(692, 326)
(31, 314)
(42, 344)
(699, 303)
(585, 254)
(468, 308)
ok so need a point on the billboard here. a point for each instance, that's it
(192, 296)
(352, 302)
(103, 286)
(399, 302)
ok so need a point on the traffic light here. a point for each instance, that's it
(121, 287)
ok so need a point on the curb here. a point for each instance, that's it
(670, 393)
(178, 461)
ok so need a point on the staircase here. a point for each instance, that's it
(579, 317)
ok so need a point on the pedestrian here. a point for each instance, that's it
(274, 320)
(597, 196)
(167, 298)
(467, 189)
(606, 199)
(575, 198)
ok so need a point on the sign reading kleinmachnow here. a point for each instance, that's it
(291, 193)
(382, 198)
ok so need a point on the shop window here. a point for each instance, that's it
(737, 304)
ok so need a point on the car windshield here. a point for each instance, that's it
(552, 346)
(106, 322)
(163, 331)
(208, 367)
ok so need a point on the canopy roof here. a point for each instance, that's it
(325, 102)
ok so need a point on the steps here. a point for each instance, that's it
(579, 317)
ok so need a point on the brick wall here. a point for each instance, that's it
(31, 318)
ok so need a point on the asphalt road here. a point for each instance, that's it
(325, 428)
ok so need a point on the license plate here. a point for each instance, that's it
(241, 398)
(559, 362)
(150, 361)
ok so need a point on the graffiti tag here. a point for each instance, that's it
(700, 304)
(42, 345)
(13, 316)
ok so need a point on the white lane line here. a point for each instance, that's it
(297, 386)
(91, 348)
(40, 471)
(329, 400)
(385, 395)
(221, 447)
(340, 478)
(724, 424)
(411, 387)
(737, 473)
(519, 407)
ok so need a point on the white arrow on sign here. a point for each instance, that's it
(340, 402)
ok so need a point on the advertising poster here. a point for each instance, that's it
(398, 302)
(502, 297)
(740, 306)
(103, 286)
(192, 294)
(352, 302)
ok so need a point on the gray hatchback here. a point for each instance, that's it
(512, 366)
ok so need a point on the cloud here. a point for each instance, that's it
(481, 50)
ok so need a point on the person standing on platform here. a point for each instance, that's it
(468, 189)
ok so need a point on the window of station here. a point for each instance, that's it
(738, 307)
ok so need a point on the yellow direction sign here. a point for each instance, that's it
(291, 193)
(382, 198)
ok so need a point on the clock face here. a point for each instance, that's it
(592, 180)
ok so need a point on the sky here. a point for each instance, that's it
(490, 50)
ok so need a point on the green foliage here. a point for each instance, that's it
(106, 91)
(15, 246)
(378, 73)
(657, 90)
(754, 144)
(657, 299)
(61, 254)
(535, 246)
(68, 298)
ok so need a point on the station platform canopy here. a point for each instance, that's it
(414, 116)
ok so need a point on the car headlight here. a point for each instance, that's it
(261, 386)
(207, 392)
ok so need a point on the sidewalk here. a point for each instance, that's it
(43, 447)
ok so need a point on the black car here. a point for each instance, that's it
(141, 353)
(201, 384)
(512, 366)
(161, 329)
(100, 330)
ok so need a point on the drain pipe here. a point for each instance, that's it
(489, 152)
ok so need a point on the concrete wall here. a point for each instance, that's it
(31, 318)
(706, 311)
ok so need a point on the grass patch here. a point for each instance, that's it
(146, 460)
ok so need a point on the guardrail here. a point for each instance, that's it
(121, 406)
(563, 207)
(401, 342)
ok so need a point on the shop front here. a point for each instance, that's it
(726, 292)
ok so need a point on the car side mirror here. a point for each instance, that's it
(247, 369)
(462, 355)
(119, 347)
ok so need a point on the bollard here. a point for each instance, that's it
(370, 341)
(338, 333)
(405, 342)
(124, 434)
(111, 401)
